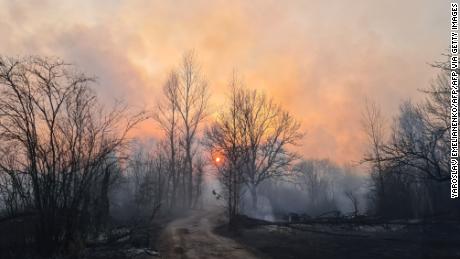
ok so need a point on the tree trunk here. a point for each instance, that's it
(190, 179)
(103, 208)
(253, 190)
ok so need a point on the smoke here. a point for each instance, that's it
(295, 51)
(263, 211)
(319, 186)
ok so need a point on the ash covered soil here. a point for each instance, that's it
(204, 234)
(354, 241)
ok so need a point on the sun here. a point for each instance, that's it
(217, 159)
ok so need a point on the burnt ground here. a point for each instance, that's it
(188, 235)
(349, 240)
(129, 242)
(203, 234)
(139, 243)
(122, 241)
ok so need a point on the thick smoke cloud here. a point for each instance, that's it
(319, 59)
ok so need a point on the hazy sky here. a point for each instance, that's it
(320, 59)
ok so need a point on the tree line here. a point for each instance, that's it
(410, 158)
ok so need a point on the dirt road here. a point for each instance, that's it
(193, 237)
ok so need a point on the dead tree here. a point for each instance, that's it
(192, 100)
(354, 201)
(269, 131)
(253, 136)
(167, 116)
(373, 124)
(61, 137)
(225, 142)
(420, 138)
(180, 115)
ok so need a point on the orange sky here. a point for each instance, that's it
(320, 59)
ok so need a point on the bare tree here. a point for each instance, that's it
(253, 136)
(183, 110)
(62, 139)
(192, 100)
(421, 134)
(269, 131)
(373, 123)
(225, 141)
(167, 116)
(350, 194)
